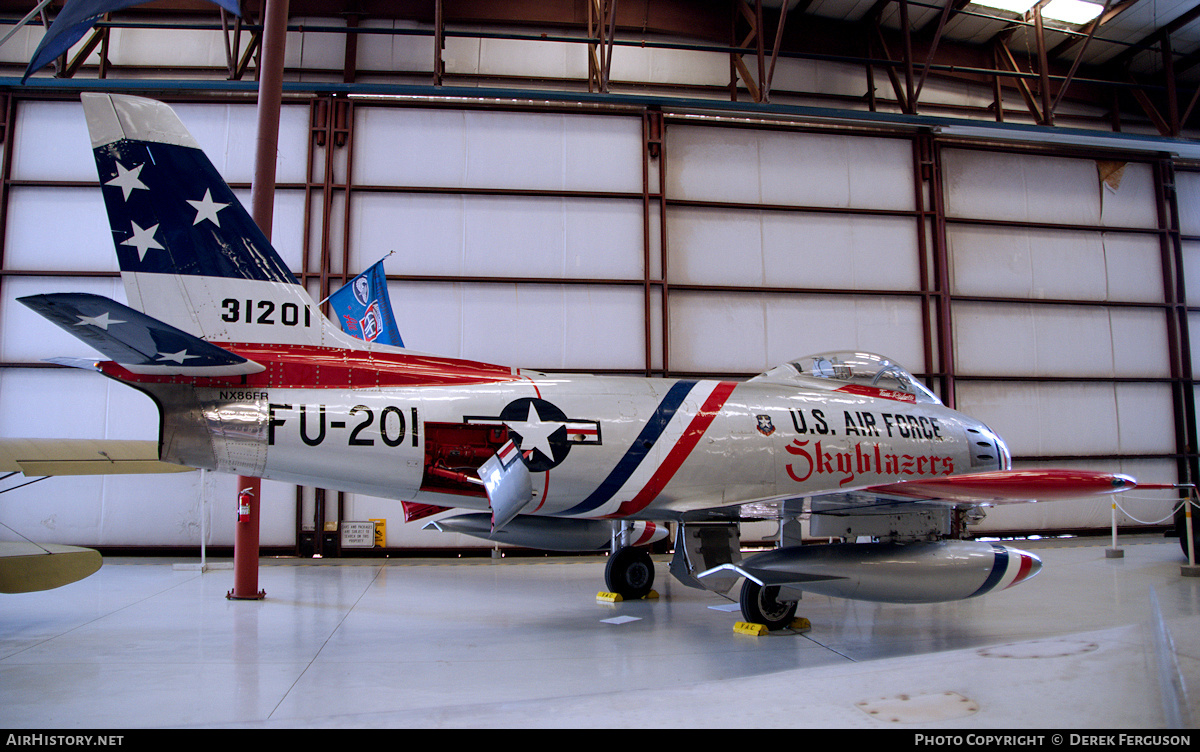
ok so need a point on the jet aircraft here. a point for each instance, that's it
(251, 378)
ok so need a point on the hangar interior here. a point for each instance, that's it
(1004, 202)
(1036, 282)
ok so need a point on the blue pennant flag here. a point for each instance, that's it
(76, 17)
(364, 309)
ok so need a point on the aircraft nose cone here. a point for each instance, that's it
(988, 450)
(1006, 461)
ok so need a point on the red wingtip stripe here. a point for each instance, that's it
(1023, 569)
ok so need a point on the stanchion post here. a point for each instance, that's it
(1190, 569)
(1114, 552)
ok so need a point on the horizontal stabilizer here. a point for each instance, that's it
(140, 343)
(39, 457)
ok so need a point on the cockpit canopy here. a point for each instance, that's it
(851, 369)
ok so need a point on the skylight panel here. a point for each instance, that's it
(1012, 6)
(1071, 11)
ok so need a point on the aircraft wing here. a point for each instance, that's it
(39, 457)
(987, 488)
(1009, 486)
(29, 567)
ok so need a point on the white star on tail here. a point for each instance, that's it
(128, 180)
(206, 208)
(177, 357)
(103, 321)
(142, 240)
(535, 433)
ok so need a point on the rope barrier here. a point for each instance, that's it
(1191, 500)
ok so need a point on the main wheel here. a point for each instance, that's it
(630, 573)
(760, 606)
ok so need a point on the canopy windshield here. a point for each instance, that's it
(852, 368)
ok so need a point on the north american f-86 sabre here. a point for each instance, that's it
(251, 378)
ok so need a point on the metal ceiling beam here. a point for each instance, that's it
(758, 85)
(602, 22)
(877, 41)
(1168, 57)
(1092, 27)
(1150, 40)
(1004, 56)
(783, 12)
(237, 61)
(906, 35)
(1148, 107)
(948, 11)
(813, 38)
(1043, 63)
(97, 37)
(439, 42)
(753, 17)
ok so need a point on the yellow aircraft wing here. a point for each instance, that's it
(29, 567)
(39, 457)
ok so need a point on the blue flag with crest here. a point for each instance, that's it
(364, 309)
(76, 17)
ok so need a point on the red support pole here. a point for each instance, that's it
(262, 199)
(245, 542)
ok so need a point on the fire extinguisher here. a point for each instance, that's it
(244, 504)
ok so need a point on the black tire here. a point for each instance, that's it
(630, 573)
(759, 606)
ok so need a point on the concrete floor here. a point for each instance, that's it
(1092, 642)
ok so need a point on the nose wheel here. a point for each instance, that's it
(630, 573)
(761, 605)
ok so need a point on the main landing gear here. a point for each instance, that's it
(630, 573)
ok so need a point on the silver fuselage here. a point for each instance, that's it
(596, 446)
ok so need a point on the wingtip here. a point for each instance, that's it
(1123, 482)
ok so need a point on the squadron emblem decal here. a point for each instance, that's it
(541, 430)
(765, 426)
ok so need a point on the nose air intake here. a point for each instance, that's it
(988, 450)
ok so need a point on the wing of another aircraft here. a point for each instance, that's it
(40, 457)
(29, 567)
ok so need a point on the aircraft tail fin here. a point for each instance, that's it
(138, 343)
(190, 254)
